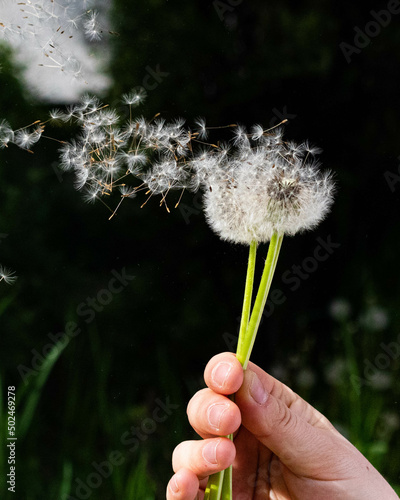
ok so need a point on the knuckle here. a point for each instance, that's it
(284, 418)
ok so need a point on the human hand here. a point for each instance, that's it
(283, 449)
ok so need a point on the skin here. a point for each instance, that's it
(283, 447)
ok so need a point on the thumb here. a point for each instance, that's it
(286, 424)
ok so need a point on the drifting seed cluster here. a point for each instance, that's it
(49, 25)
(256, 185)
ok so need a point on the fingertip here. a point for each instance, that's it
(203, 457)
(218, 453)
(224, 373)
(211, 414)
(183, 485)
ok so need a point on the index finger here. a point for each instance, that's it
(224, 373)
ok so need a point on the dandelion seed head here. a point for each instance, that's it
(260, 193)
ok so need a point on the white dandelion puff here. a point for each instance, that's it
(265, 194)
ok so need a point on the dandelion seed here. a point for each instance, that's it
(108, 117)
(25, 139)
(134, 161)
(91, 195)
(127, 192)
(202, 132)
(164, 176)
(135, 97)
(6, 134)
(7, 275)
(82, 177)
(257, 131)
(56, 115)
(313, 150)
(92, 28)
(89, 103)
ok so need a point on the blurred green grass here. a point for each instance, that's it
(59, 440)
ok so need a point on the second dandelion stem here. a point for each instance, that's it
(219, 486)
(248, 292)
(246, 340)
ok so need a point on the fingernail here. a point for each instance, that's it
(174, 485)
(220, 373)
(210, 452)
(257, 391)
(214, 414)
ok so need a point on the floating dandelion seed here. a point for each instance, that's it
(135, 97)
(7, 275)
(6, 133)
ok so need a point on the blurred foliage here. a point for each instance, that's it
(152, 341)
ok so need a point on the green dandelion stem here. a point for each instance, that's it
(214, 486)
(227, 483)
(245, 346)
(219, 486)
(248, 293)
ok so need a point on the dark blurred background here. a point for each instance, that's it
(334, 76)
